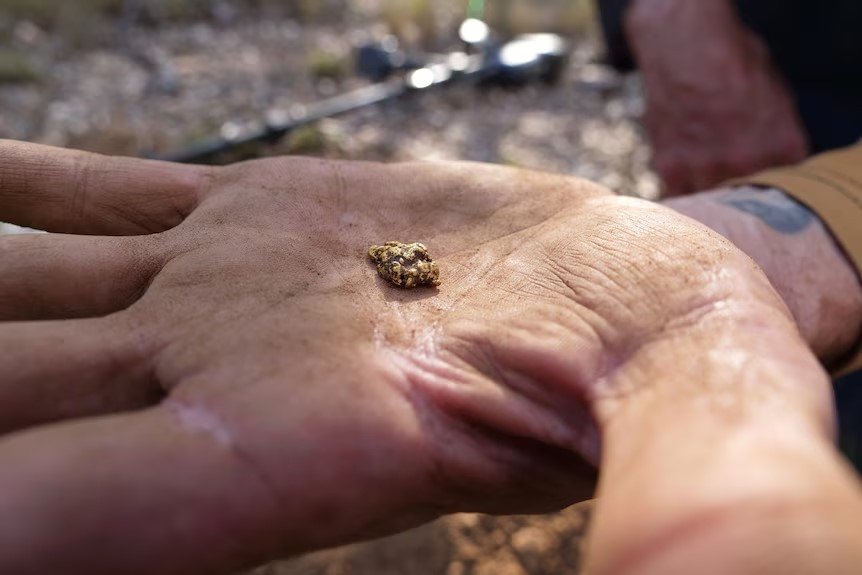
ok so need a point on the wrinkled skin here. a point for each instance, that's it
(806, 266)
(261, 392)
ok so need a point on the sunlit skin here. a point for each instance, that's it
(221, 378)
(805, 264)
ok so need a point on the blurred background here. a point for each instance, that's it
(152, 77)
(149, 77)
(145, 77)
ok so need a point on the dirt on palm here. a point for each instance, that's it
(143, 84)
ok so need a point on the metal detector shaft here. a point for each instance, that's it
(524, 59)
(418, 80)
(274, 131)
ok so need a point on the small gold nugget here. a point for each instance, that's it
(405, 265)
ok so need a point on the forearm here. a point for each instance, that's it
(797, 253)
(727, 465)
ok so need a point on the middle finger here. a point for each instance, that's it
(55, 276)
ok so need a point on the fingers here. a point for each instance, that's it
(77, 192)
(684, 174)
(49, 276)
(705, 165)
(55, 370)
(793, 150)
(135, 494)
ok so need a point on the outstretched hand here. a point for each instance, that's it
(219, 376)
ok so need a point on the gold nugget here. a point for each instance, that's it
(405, 265)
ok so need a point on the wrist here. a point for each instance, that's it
(799, 256)
(734, 435)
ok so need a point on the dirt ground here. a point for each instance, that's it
(147, 77)
(145, 89)
(156, 89)
(465, 544)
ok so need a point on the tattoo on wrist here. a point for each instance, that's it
(773, 207)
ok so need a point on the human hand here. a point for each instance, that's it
(798, 254)
(285, 398)
(716, 107)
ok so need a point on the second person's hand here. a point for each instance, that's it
(717, 108)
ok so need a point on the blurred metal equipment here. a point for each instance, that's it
(483, 60)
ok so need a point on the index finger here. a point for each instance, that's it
(69, 191)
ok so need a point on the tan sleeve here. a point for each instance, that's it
(831, 185)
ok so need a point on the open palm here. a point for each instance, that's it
(221, 377)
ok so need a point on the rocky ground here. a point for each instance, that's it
(464, 544)
(154, 89)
